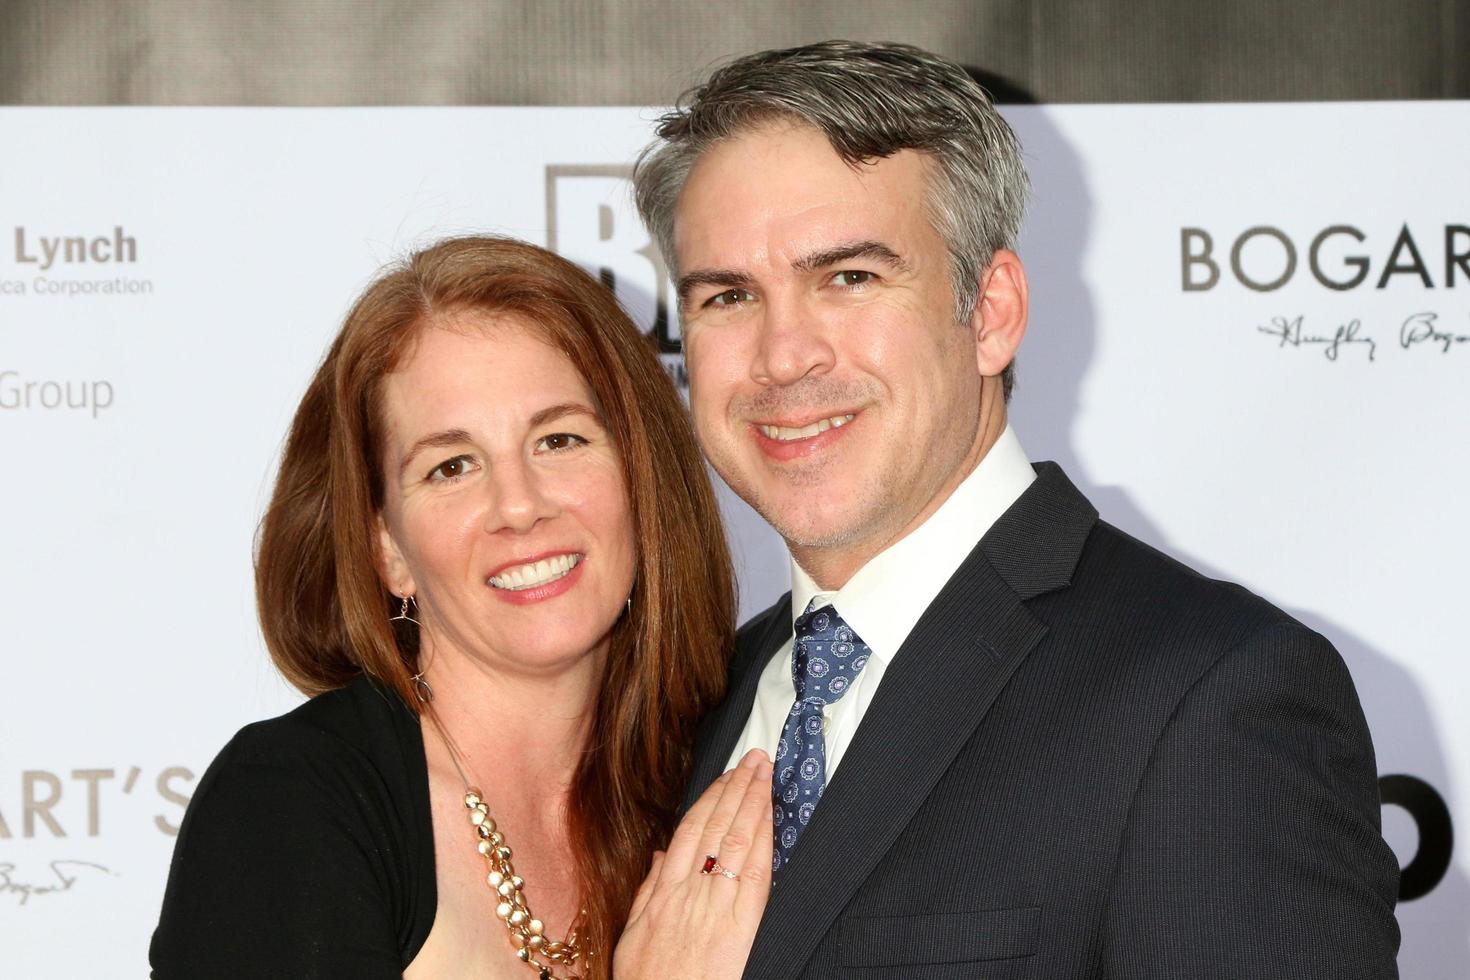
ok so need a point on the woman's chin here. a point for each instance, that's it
(547, 654)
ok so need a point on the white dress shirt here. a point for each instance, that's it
(886, 597)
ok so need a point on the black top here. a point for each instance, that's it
(307, 850)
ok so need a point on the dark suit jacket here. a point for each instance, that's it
(1086, 761)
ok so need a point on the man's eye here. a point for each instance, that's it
(450, 469)
(851, 277)
(730, 297)
(560, 442)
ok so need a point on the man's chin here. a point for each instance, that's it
(808, 529)
(806, 512)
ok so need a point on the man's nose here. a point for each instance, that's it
(791, 345)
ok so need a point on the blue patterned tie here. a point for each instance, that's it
(825, 658)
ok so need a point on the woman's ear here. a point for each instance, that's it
(999, 320)
(392, 568)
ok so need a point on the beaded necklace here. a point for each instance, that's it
(527, 933)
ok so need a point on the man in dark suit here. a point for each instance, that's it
(1010, 740)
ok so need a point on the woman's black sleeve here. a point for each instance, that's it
(289, 863)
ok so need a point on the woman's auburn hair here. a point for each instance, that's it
(326, 614)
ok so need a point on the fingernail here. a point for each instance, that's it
(753, 759)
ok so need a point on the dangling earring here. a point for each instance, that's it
(421, 688)
(403, 616)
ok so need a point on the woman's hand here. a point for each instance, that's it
(694, 926)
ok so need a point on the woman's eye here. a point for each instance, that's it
(559, 442)
(451, 469)
(730, 297)
(851, 277)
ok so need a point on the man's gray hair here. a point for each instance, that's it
(870, 101)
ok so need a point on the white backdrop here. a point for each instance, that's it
(148, 371)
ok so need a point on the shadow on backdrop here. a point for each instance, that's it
(1051, 371)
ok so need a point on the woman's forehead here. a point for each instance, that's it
(479, 365)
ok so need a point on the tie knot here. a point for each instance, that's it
(826, 656)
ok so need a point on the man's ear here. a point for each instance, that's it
(392, 568)
(999, 320)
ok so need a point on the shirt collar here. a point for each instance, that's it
(886, 597)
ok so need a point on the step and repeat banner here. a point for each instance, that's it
(1250, 345)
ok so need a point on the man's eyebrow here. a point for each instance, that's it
(867, 249)
(728, 278)
(434, 440)
(731, 279)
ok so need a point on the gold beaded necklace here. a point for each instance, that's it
(527, 933)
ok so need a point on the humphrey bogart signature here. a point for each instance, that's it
(65, 875)
(1292, 334)
(1421, 329)
(1418, 330)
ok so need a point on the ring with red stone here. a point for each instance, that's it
(712, 866)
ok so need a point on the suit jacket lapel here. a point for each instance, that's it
(953, 665)
(721, 730)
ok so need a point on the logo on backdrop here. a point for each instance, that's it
(591, 219)
(66, 266)
(1436, 833)
(1340, 258)
(19, 393)
(75, 806)
(70, 265)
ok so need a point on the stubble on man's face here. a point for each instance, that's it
(778, 340)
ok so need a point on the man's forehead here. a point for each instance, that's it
(780, 193)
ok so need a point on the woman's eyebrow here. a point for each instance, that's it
(458, 437)
(434, 440)
(554, 412)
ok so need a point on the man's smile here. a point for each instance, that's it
(788, 433)
(783, 443)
